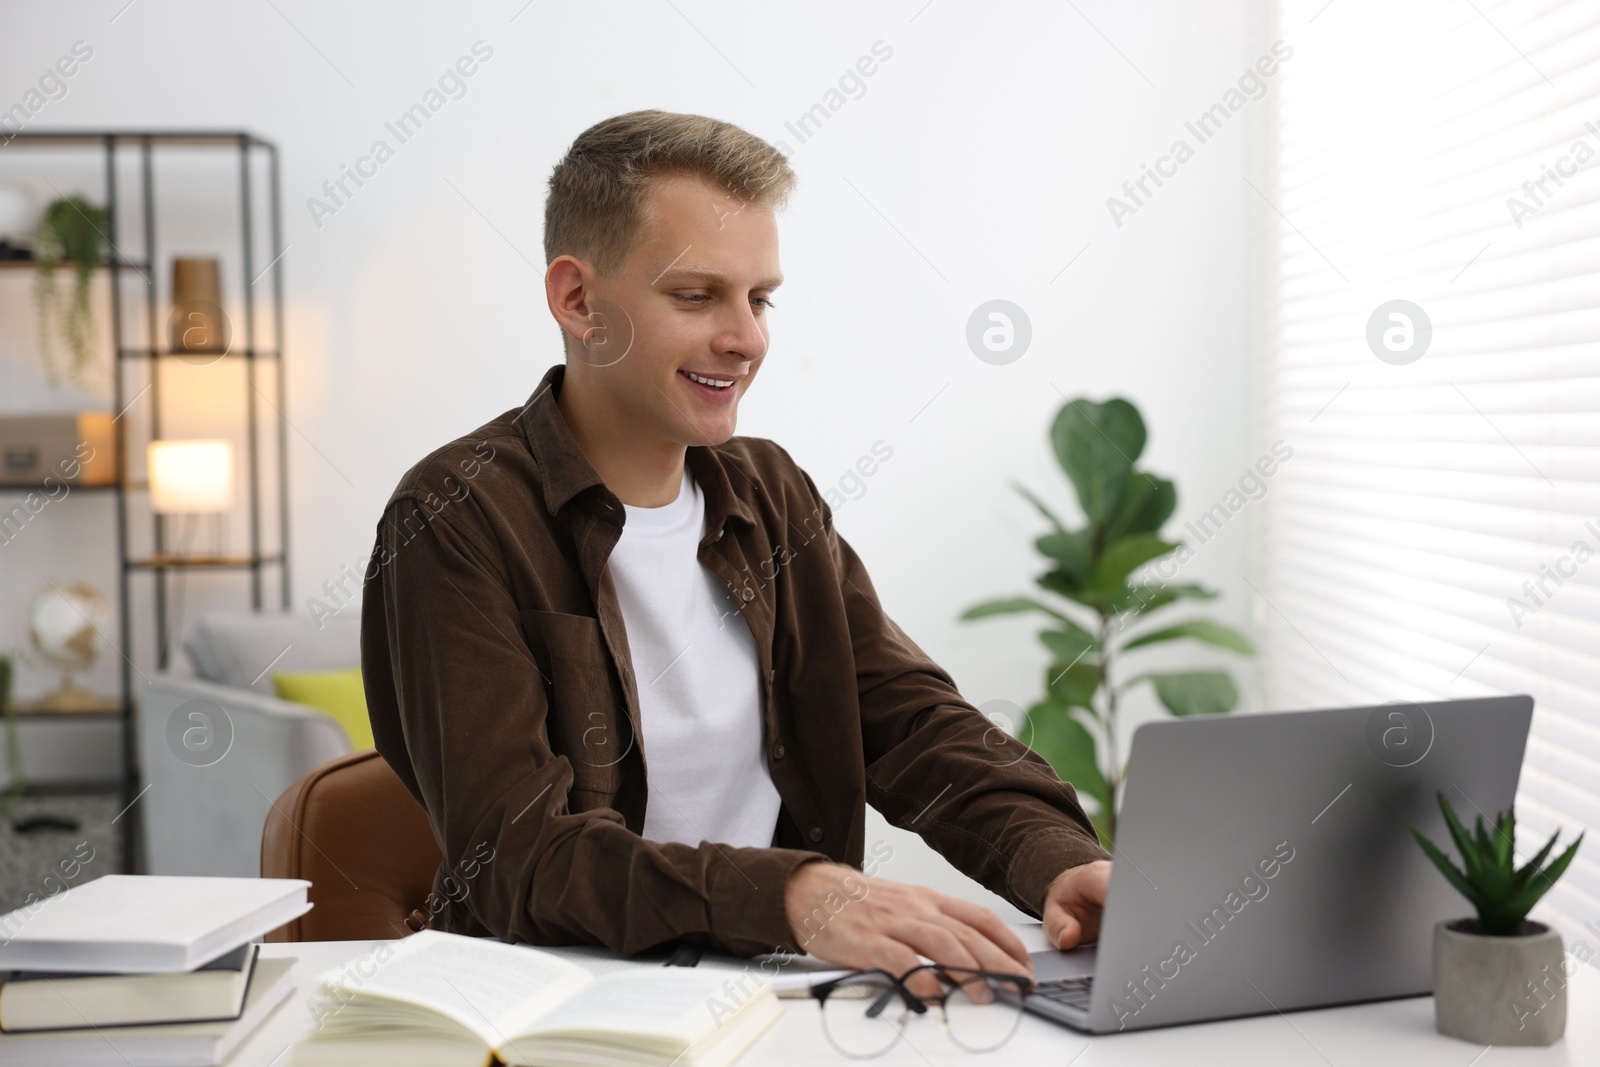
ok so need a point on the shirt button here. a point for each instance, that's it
(816, 833)
(777, 751)
(748, 595)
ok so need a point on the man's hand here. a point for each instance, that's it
(1073, 904)
(843, 916)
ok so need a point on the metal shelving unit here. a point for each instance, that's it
(148, 352)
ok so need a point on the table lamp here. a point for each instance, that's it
(192, 478)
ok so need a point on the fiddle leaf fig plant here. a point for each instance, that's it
(1094, 571)
(1499, 891)
(71, 231)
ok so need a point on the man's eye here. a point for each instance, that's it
(697, 298)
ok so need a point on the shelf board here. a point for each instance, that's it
(164, 353)
(31, 265)
(98, 138)
(73, 487)
(169, 562)
(108, 709)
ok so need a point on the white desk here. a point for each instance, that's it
(1396, 1032)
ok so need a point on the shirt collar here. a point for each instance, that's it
(566, 471)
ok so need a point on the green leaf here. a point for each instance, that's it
(1100, 819)
(1011, 606)
(1187, 693)
(1523, 902)
(1049, 515)
(1070, 550)
(1062, 584)
(1073, 685)
(1068, 747)
(1212, 633)
(1454, 876)
(1480, 837)
(1524, 875)
(1145, 597)
(1147, 503)
(1071, 643)
(1109, 579)
(1470, 858)
(1505, 832)
(1097, 444)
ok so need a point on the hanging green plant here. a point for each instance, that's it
(71, 231)
(13, 753)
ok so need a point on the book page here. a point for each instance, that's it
(655, 1002)
(487, 986)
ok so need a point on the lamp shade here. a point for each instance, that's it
(188, 477)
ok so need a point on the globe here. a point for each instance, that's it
(63, 628)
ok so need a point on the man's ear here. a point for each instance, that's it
(566, 287)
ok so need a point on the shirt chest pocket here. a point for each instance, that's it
(587, 720)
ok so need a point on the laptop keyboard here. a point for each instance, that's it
(1073, 992)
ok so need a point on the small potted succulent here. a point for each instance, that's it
(1498, 979)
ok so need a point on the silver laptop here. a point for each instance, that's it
(1263, 862)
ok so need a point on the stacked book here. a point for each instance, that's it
(136, 970)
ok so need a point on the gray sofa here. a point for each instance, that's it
(216, 746)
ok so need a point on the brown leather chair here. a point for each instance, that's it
(365, 844)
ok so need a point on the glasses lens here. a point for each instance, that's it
(981, 1013)
(864, 1015)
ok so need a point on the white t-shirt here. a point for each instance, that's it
(694, 661)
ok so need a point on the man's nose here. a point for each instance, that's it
(747, 334)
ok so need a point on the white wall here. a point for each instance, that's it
(976, 165)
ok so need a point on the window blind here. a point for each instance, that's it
(1436, 533)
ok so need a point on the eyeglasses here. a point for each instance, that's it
(865, 1014)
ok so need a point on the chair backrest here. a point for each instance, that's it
(352, 829)
(237, 648)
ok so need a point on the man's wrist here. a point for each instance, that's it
(1036, 868)
(746, 921)
(796, 902)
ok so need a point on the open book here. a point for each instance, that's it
(438, 998)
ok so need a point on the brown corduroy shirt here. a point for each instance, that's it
(501, 691)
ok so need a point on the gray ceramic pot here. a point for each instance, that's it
(1499, 990)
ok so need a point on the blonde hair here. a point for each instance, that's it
(596, 206)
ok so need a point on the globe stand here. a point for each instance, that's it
(70, 698)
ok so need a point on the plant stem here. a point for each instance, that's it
(1114, 775)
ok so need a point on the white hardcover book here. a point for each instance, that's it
(139, 923)
(67, 1000)
(161, 1045)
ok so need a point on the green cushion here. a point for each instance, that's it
(339, 693)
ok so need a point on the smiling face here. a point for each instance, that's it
(691, 299)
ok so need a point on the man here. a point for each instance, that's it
(622, 657)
